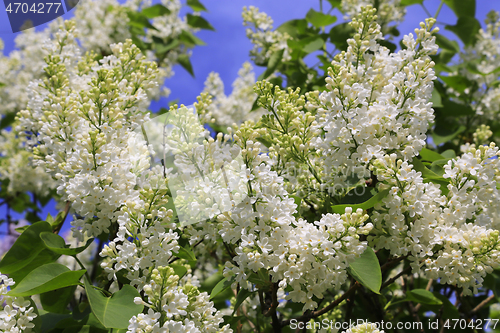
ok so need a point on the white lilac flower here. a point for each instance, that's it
(16, 313)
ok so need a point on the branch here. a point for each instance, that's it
(391, 280)
(392, 262)
(318, 313)
(429, 285)
(483, 303)
(66, 212)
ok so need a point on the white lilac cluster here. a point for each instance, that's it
(484, 56)
(145, 237)
(266, 41)
(81, 121)
(21, 66)
(295, 153)
(452, 237)
(236, 107)
(203, 166)
(404, 220)
(376, 102)
(84, 136)
(262, 233)
(175, 306)
(101, 23)
(388, 11)
(15, 166)
(16, 313)
(98, 25)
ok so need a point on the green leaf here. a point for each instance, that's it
(186, 253)
(46, 278)
(7, 120)
(454, 109)
(436, 99)
(196, 5)
(366, 270)
(442, 135)
(447, 44)
(22, 229)
(44, 257)
(114, 311)
(56, 301)
(422, 296)
(294, 28)
(462, 7)
(242, 296)
(457, 82)
(466, 29)
(198, 22)
(340, 209)
(426, 173)
(56, 244)
(411, 2)
(315, 44)
(179, 270)
(430, 155)
(184, 61)
(139, 20)
(319, 19)
(25, 249)
(335, 3)
(221, 286)
(155, 11)
(450, 153)
(357, 195)
(188, 38)
(272, 65)
(50, 320)
(162, 48)
(339, 35)
(449, 310)
(20, 202)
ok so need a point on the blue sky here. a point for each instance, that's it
(228, 48)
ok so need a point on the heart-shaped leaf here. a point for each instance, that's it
(223, 284)
(25, 249)
(114, 311)
(56, 244)
(366, 270)
(340, 209)
(47, 278)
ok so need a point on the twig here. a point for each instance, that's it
(66, 212)
(429, 285)
(483, 303)
(413, 311)
(314, 314)
(391, 280)
(244, 311)
(392, 262)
